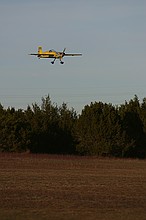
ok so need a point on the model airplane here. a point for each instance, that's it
(53, 54)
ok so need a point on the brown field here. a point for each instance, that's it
(71, 187)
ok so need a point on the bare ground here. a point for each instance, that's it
(71, 187)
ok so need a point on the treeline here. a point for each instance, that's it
(101, 129)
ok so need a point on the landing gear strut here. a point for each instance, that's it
(53, 61)
(61, 62)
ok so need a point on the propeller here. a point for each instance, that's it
(64, 51)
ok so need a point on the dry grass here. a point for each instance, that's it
(69, 187)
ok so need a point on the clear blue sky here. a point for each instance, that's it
(111, 35)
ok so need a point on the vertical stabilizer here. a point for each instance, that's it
(39, 50)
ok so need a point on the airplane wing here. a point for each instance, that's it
(35, 54)
(72, 54)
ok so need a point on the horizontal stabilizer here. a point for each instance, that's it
(39, 54)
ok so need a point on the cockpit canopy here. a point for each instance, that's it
(52, 50)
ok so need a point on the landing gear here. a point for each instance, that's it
(61, 62)
(53, 61)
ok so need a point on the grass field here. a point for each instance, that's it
(71, 187)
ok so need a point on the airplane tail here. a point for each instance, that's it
(39, 50)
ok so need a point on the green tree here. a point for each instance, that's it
(51, 128)
(133, 126)
(14, 131)
(99, 131)
(67, 121)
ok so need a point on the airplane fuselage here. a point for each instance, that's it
(48, 54)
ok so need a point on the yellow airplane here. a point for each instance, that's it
(53, 54)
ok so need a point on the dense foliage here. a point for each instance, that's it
(101, 129)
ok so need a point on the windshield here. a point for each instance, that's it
(52, 50)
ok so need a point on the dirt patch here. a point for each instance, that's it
(70, 187)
